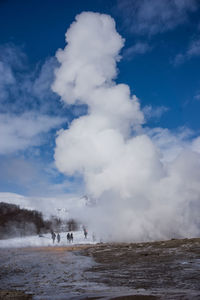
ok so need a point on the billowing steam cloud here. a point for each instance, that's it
(141, 196)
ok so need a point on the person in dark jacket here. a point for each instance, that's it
(85, 233)
(53, 236)
(71, 237)
(68, 237)
(58, 238)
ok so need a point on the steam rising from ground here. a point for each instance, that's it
(141, 195)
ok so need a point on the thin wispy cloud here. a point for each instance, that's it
(151, 112)
(19, 132)
(25, 114)
(194, 48)
(22, 87)
(29, 117)
(192, 51)
(197, 97)
(138, 48)
(149, 17)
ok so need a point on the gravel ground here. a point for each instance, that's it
(166, 269)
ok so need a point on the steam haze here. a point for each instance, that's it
(142, 193)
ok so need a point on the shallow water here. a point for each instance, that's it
(164, 270)
(50, 273)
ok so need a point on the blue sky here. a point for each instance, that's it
(160, 62)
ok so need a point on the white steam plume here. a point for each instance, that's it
(140, 195)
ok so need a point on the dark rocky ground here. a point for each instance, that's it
(168, 269)
(156, 270)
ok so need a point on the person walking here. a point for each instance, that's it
(58, 238)
(71, 237)
(68, 237)
(85, 233)
(53, 236)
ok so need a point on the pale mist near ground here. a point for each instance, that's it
(145, 180)
(45, 240)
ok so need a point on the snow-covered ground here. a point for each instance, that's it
(46, 240)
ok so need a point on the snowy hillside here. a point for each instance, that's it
(59, 206)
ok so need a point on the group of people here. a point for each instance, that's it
(70, 237)
(53, 236)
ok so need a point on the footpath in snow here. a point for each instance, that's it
(46, 240)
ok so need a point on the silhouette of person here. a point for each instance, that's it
(53, 236)
(58, 238)
(68, 237)
(71, 237)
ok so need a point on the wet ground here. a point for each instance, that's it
(159, 270)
